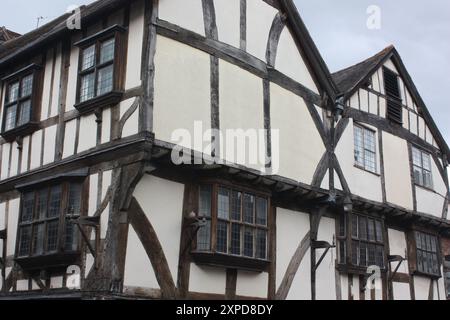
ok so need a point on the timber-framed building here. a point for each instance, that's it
(88, 184)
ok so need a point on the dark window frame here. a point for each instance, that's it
(346, 238)
(422, 169)
(22, 129)
(419, 268)
(118, 64)
(365, 130)
(213, 255)
(394, 108)
(60, 256)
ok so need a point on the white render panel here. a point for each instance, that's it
(299, 138)
(106, 125)
(2, 215)
(25, 148)
(87, 138)
(421, 128)
(131, 126)
(93, 191)
(22, 285)
(6, 149)
(397, 171)
(135, 39)
(397, 246)
(421, 287)
(429, 202)
(13, 219)
(390, 65)
(290, 62)
(376, 82)
(241, 107)
(138, 268)
(364, 100)
(69, 138)
(162, 202)
(207, 279)
(401, 291)
(383, 107)
(47, 84)
(438, 182)
(36, 149)
(186, 14)
(373, 103)
(56, 282)
(182, 100)
(360, 182)
(295, 226)
(73, 76)
(325, 274)
(49, 144)
(106, 183)
(252, 284)
(260, 16)
(413, 123)
(14, 160)
(56, 83)
(228, 19)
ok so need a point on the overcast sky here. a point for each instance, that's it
(420, 33)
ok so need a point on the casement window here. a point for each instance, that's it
(365, 148)
(422, 168)
(21, 101)
(101, 69)
(236, 222)
(363, 238)
(394, 100)
(427, 253)
(45, 224)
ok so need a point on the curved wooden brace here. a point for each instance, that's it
(292, 269)
(128, 114)
(153, 248)
(278, 25)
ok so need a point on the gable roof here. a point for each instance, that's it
(6, 35)
(352, 78)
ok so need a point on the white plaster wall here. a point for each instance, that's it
(438, 183)
(421, 287)
(56, 82)
(6, 148)
(186, 14)
(13, 219)
(49, 146)
(14, 160)
(138, 269)
(205, 279)
(88, 133)
(413, 123)
(131, 126)
(429, 202)
(228, 17)
(390, 65)
(397, 246)
(73, 75)
(106, 183)
(25, 149)
(397, 171)
(259, 21)
(106, 125)
(295, 226)
(252, 284)
(364, 100)
(241, 106)
(69, 138)
(162, 202)
(344, 286)
(300, 145)
(93, 188)
(135, 40)
(36, 149)
(290, 62)
(373, 103)
(56, 282)
(182, 100)
(47, 84)
(325, 274)
(22, 285)
(360, 182)
(401, 291)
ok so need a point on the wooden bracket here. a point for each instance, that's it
(194, 224)
(321, 245)
(92, 222)
(399, 259)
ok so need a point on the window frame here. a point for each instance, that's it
(213, 256)
(413, 253)
(421, 167)
(33, 70)
(375, 134)
(118, 62)
(346, 239)
(60, 257)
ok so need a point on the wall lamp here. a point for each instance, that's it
(339, 108)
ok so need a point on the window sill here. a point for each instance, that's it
(368, 171)
(49, 261)
(424, 188)
(230, 261)
(20, 131)
(351, 269)
(102, 101)
(427, 275)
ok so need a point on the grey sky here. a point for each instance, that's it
(420, 32)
